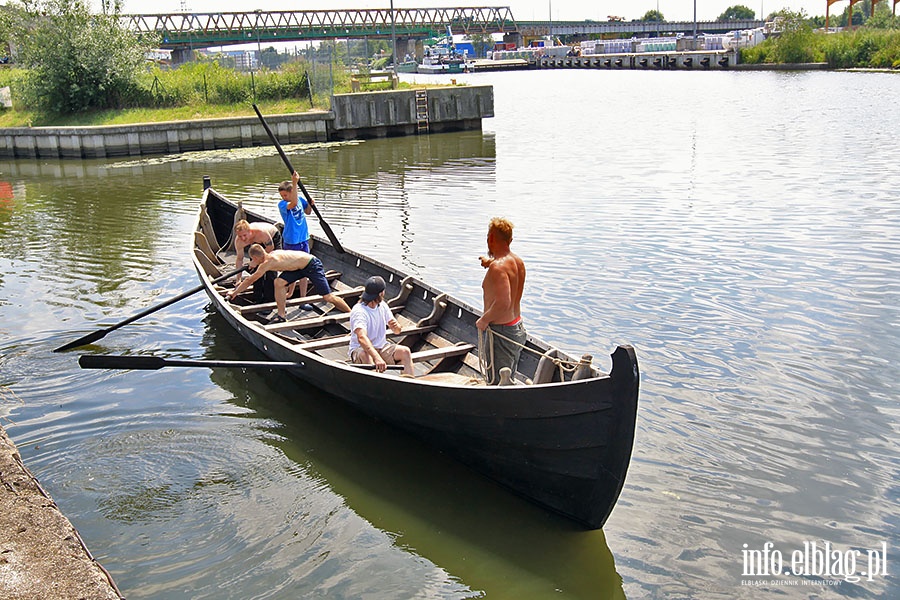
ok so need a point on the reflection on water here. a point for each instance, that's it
(710, 219)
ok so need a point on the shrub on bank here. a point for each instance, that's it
(863, 47)
(869, 46)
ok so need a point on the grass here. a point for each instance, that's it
(25, 118)
(17, 117)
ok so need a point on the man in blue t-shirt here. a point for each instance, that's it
(293, 209)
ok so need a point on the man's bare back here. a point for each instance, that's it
(285, 260)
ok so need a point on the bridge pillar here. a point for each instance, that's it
(182, 55)
(513, 38)
(407, 45)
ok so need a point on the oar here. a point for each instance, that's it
(154, 363)
(93, 337)
(371, 367)
(325, 226)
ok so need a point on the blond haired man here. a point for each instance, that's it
(502, 289)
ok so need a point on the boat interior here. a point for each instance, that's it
(315, 325)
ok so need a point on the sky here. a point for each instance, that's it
(524, 10)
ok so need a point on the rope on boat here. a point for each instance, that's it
(487, 362)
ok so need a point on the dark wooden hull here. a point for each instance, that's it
(565, 445)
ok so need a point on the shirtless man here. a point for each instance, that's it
(293, 265)
(502, 286)
(265, 234)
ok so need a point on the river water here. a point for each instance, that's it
(741, 230)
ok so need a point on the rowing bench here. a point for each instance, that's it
(441, 353)
(315, 322)
(336, 341)
(254, 308)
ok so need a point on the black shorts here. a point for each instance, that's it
(314, 272)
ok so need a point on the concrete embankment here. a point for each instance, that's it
(353, 116)
(42, 557)
(713, 60)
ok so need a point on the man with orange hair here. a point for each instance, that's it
(502, 289)
(266, 235)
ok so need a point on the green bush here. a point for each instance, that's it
(76, 60)
(860, 48)
(290, 82)
(863, 47)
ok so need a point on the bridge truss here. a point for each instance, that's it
(180, 30)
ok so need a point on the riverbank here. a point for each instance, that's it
(42, 556)
(353, 116)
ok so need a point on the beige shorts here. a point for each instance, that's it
(360, 356)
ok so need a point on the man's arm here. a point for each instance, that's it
(239, 259)
(392, 322)
(260, 270)
(295, 188)
(497, 296)
(394, 326)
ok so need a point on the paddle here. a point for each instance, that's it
(154, 363)
(325, 226)
(371, 367)
(93, 337)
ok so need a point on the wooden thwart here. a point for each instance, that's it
(245, 310)
(438, 353)
(336, 341)
(311, 323)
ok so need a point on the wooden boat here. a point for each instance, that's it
(561, 436)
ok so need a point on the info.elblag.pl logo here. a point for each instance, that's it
(816, 559)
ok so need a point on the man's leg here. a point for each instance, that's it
(337, 301)
(403, 356)
(281, 297)
(360, 357)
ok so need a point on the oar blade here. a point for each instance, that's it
(83, 340)
(329, 233)
(93, 337)
(98, 361)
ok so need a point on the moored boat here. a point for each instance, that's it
(560, 435)
(407, 66)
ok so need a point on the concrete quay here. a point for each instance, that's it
(353, 116)
(690, 60)
(42, 557)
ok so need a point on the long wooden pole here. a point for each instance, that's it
(325, 226)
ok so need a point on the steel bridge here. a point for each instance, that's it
(584, 28)
(180, 31)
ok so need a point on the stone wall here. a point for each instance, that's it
(359, 115)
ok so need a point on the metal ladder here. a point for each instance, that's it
(422, 111)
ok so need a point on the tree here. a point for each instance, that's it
(79, 61)
(481, 42)
(795, 45)
(738, 12)
(653, 16)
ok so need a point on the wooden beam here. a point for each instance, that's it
(312, 323)
(254, 308)
(438, 353)
(333, 341)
